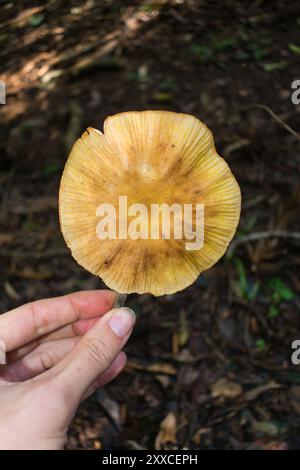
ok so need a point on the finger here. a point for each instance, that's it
(93, 354)
(108, 375)
(78, 328)
(41, 359)
(26, 323)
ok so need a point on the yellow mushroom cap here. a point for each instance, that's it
(151, 157)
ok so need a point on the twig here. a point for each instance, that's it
(253, 202)
(273, 115)
(261, 236)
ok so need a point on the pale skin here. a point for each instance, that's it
(59, 351)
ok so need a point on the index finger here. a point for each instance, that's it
(28, 322)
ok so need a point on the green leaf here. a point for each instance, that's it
(245, 289)
(50, 169)
(260, 344)
(36, 20)
(227, 42)
(273, 311)
(294, 377)
(274, 66)
(257, 51)
(162, 97)
(242, 55)
(243, 281)
(280, 290)
(151, 6)
(204, 52)
(30, 226)
(133, 75)
(4, 37)
(254, 291)
(168, 84)
(294, 48)
(287, 294)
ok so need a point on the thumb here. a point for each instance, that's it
(95, 352)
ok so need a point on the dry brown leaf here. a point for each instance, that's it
(167, 433)
(29, 273)
(255, 392)
(156, 368)
(97, 445)
(11, 291)
(198, 435)
(267, 428)
(226, 388)
(6, 238)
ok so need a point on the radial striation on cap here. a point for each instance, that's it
(151, 157)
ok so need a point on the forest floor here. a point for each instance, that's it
(209, 367)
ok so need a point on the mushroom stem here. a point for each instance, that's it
(120, 301)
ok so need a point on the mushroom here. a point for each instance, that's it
(114, 181)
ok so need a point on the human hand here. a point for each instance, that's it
(59, 351)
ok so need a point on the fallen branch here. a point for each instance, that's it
(262, 236)
(33, 254)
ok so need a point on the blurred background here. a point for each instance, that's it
(209, 367)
